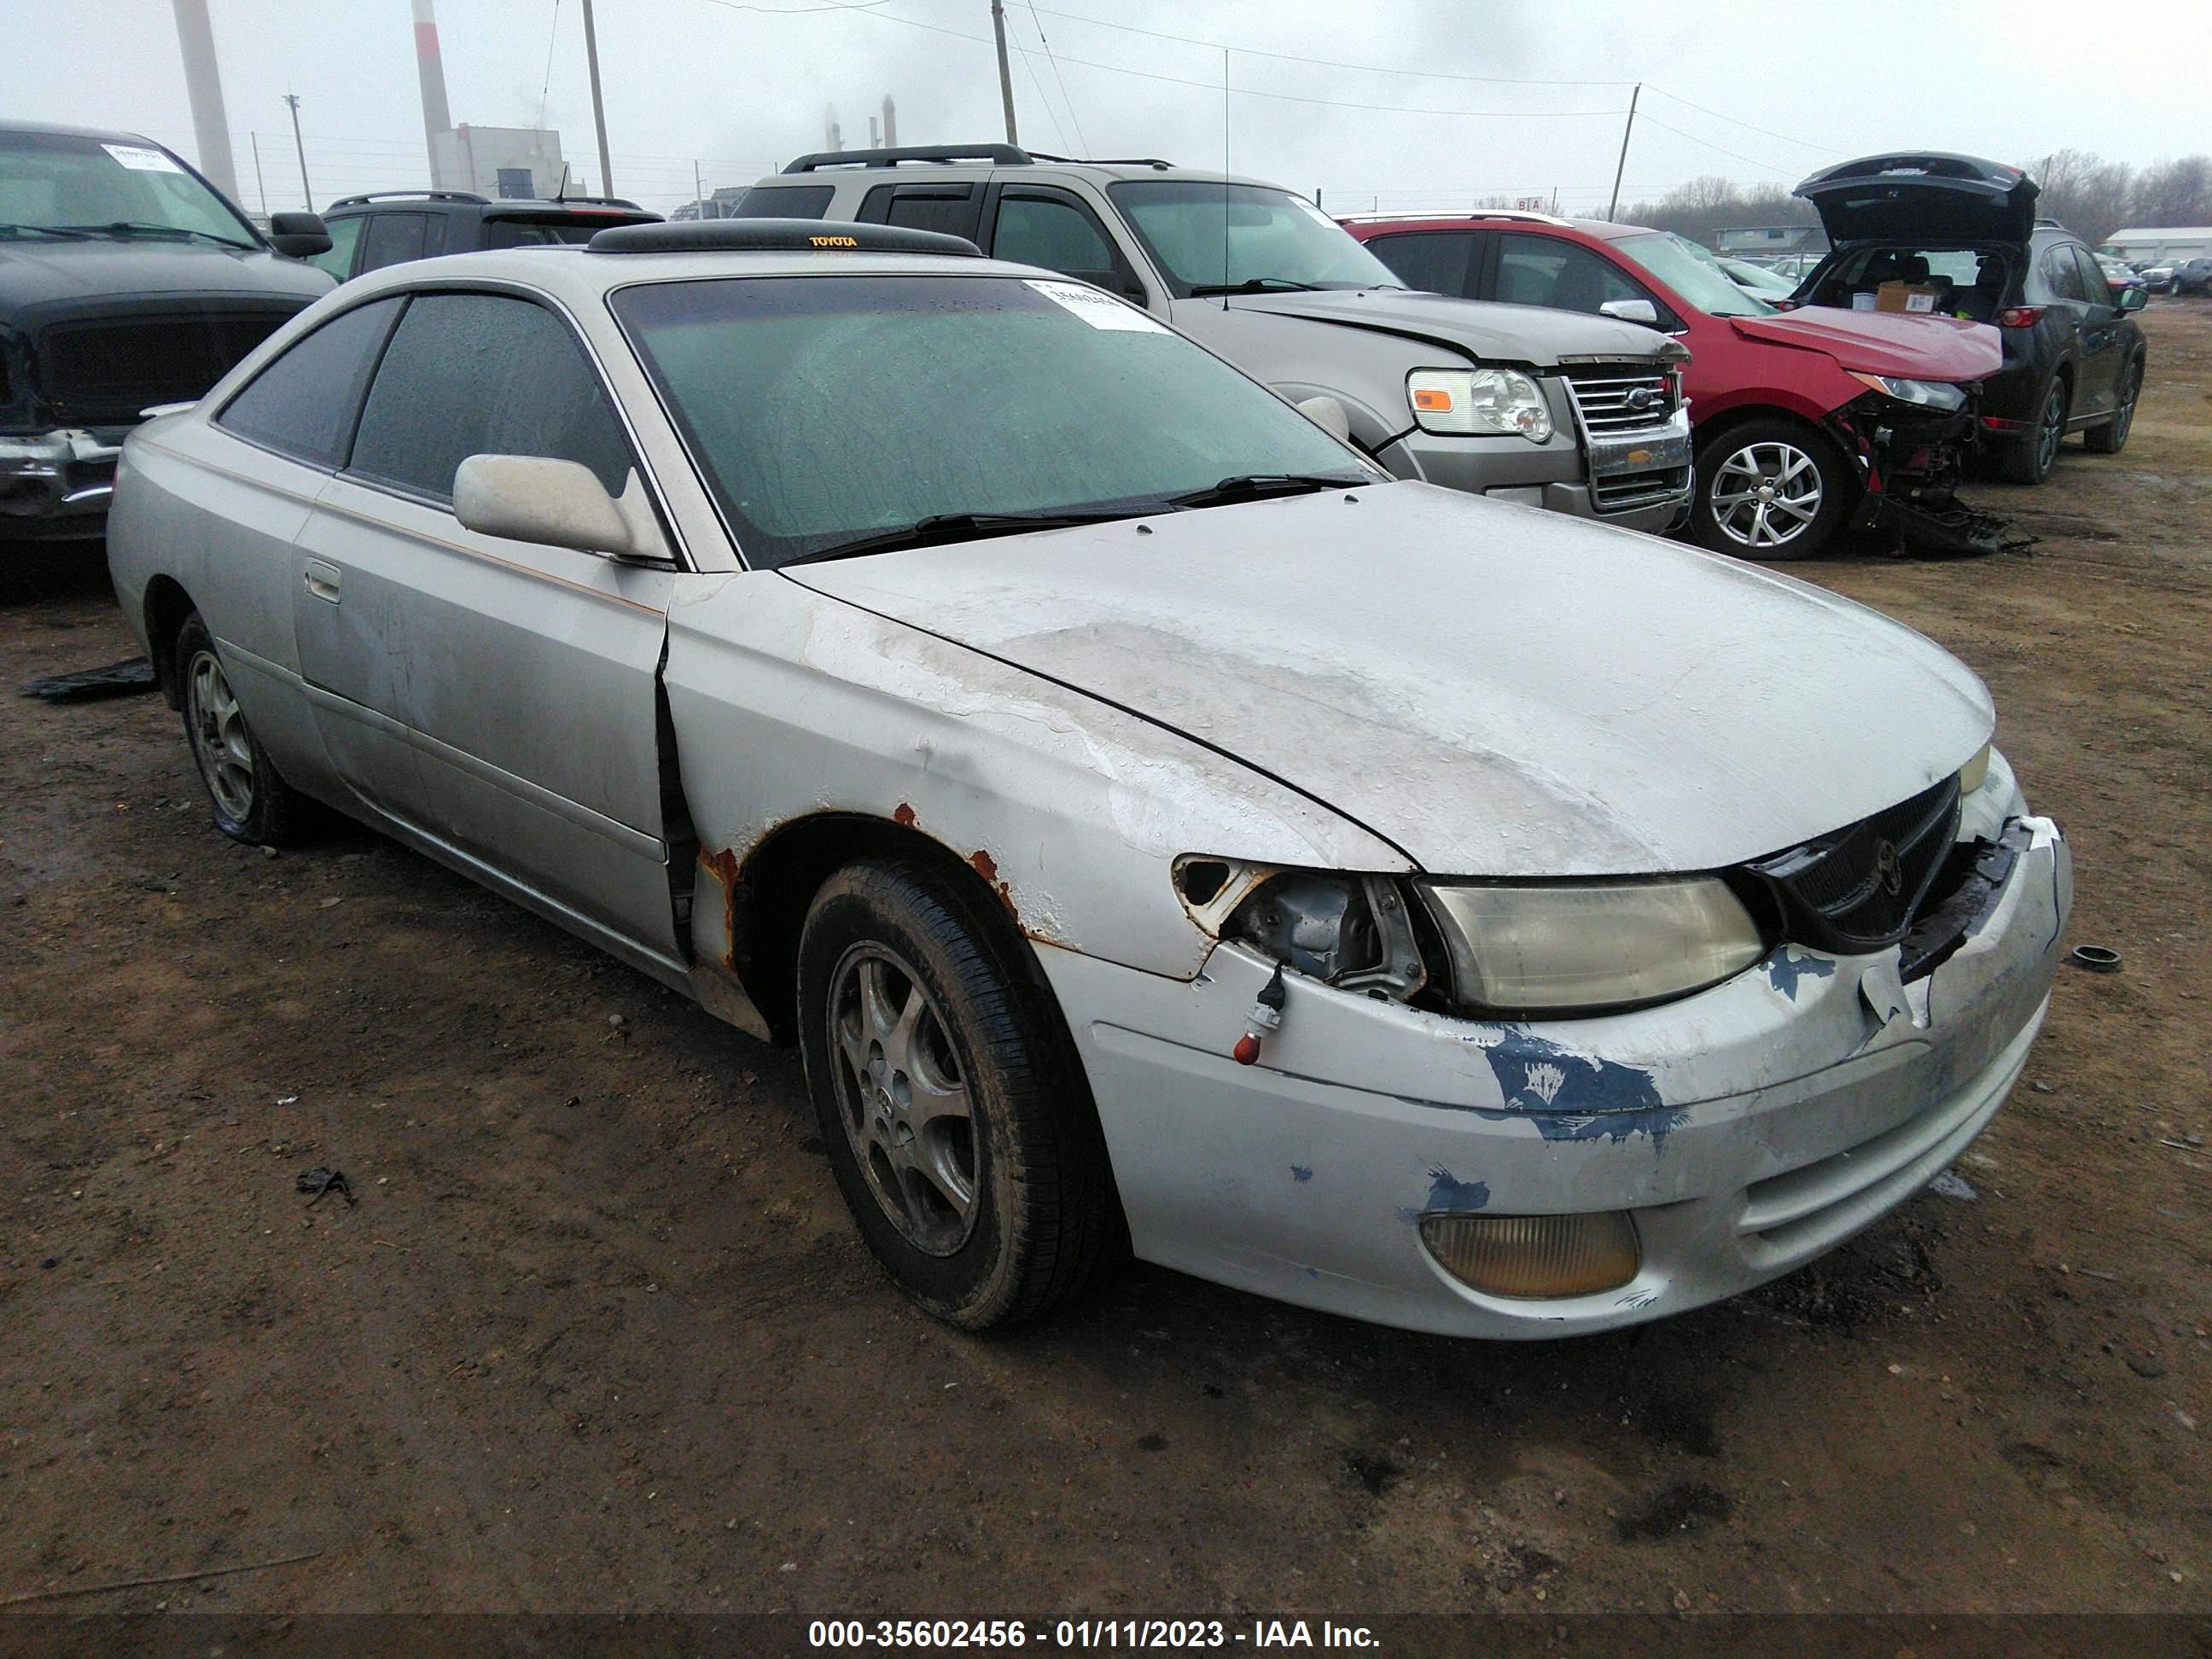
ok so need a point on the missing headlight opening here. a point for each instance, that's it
(1351, 932)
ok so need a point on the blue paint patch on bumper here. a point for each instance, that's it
(1789, 964)
(1571, 1096)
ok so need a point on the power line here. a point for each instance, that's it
(1825, 149)
(1039, 23)
(1764, 167)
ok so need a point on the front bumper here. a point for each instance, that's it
(1639, 481)
(56, 484)
(1747, 1129)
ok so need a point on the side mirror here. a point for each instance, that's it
(299, 235)
(2134, 297)
(1631, 311)
(530, 498)
(1329, 414)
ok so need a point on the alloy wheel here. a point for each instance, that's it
(220, 741)
(2052, 429)
(903, 1099)
(2126, 418)
(1765, 496)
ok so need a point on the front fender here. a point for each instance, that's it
(788, 704)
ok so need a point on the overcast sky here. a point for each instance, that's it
(742, 87)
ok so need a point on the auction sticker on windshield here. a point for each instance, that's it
(1099, 310)
(139, 159)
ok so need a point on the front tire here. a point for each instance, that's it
(2111, 438)
(251, 800)
(1770, 489)
(956, 1114)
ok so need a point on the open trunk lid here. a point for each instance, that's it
(1923, 196)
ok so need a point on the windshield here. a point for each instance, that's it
(1209, 237)
(823, 409)
(1697, 277)
(59, 182)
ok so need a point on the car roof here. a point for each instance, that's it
(579, 276)
(835, 168)
(48, 129)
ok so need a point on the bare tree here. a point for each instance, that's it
(1704, 206)
(2084, 193)
(2176, 192)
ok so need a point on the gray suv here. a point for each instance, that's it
(1583, 414)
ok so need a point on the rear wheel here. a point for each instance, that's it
(2111, 438)
(1770, 490)
(2029, 460)
(956, 1114)
(251, 801)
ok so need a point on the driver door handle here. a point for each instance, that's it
(321, 580)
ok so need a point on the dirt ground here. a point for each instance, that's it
(599, 1334)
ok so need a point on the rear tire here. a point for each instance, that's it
(1770, 489)
(2029, 460)
(955, 1113)
(2111, 438)
(251, 800)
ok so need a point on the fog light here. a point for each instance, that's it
(1535, 1256)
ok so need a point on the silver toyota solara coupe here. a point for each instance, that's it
(1154, 823)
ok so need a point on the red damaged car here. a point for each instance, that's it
(1805, 420)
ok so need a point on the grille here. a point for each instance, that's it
(1622, 397)
(106, 371)
(1624, 491)
(1858, 889)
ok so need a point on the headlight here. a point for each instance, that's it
(1565, 947)
(1479, 402)
(1975, 773)
(1927, 394)
(1352, 932)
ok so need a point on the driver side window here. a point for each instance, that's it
(1057, 235)
(1546, 270)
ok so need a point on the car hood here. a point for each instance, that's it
(1914, 348)
(1534, 335)
(1496, 690)
(1923, 196)
(35, 273)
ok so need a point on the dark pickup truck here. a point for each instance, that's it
(127, 282)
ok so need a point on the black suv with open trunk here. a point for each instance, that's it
(1959, 236)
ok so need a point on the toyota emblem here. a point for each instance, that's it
(1886, 868)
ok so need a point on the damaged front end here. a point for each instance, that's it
(1911, 440)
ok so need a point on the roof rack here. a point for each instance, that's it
(589, 201)
(1002, 154)
(1396, 214)
(410, 195)
(776, 236)
(1102, 160)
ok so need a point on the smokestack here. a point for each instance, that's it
(437, 119)
(204, 84)
(832, 130)
(891, 124)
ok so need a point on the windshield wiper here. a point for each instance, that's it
(1252, 486)
(60, 233)
(953, 527)
(140, 228)
(1255, 285)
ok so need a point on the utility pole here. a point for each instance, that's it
(300, 144)
(1619, 171)
(599, 111)
(1006, 75)
(259, 188)
(891, 124)
(698, 192)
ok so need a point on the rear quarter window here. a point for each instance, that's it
(302, 404)
(785, 202)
